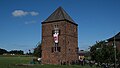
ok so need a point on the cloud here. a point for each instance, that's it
(20, 13)
(30, 22)
(34, 13)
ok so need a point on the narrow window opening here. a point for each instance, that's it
(59, 49)
(52, 49)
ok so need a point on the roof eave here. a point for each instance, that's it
(60, 20)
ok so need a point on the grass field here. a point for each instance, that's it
(16, 61)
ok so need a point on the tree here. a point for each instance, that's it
(37, 51)
(20, 52)
(102, 52)
(2, 51)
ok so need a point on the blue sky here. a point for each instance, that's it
(20, 20)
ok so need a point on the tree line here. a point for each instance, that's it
(37, 51)
(104, 53)
(3, 51)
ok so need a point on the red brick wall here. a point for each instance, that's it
(68, 42)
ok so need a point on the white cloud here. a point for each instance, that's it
(34, 13)
(30, 22)
(19, 13)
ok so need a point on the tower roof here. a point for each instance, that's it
(117, 37)
(59, 15)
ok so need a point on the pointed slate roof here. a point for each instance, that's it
(117, 37)
(59, 15)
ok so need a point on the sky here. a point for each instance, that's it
(20, 21)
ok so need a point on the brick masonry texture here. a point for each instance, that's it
(68, 43)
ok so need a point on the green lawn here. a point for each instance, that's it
(15, 61)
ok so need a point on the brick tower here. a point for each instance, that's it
(59, 39)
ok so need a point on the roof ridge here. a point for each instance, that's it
(62, 12)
